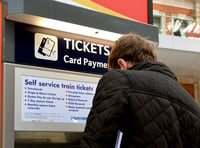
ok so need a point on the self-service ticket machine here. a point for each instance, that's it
(50, 74)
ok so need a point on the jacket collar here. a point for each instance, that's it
(154, 66)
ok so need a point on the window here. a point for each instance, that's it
(159, 20)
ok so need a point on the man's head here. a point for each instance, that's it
(130, 49)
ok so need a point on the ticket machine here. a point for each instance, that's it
(54, 55)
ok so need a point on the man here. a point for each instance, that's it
(141, 97)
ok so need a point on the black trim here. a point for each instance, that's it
(150, 12)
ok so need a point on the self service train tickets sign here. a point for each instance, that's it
(55, 100)
(43, 49)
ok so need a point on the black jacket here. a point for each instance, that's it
(148, 105)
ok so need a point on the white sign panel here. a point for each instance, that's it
(52, 100)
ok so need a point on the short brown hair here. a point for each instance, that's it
(133, 48)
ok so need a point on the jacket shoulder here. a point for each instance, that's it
(113, 79)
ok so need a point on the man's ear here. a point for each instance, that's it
(123, 64)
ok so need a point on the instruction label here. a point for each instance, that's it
(55, 100)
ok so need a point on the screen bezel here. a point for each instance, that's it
(20, 125)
